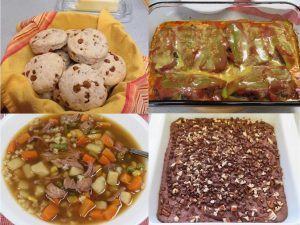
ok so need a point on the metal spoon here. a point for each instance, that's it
(139, 153)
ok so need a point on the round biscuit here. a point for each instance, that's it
(44, 71)
(88, 46)
(112, 68)
(82, 88)
(48, 41)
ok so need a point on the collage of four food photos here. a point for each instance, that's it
(148, 112)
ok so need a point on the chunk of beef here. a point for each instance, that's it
(34, 138)
(90, 170)
(119, 147)
(67, 163)
(70, 183)
(84, 185)
(55, 192)
(48, 126)
(68, 119)
(86, 126)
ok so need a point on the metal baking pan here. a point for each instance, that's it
(287, 142)
(163, 11)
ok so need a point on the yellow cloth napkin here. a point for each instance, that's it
(17, 93)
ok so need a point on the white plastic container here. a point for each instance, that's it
(120, 9)
(288, 145)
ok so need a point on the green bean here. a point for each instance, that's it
(62, 146)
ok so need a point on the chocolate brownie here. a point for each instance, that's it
(222, 170)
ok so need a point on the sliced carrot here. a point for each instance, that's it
(83, 140)
(125, 178)
(50, 212)
(107, 140)
(86, 207)
(103, 124)
(87, 158)
(97, 214)
(109, 154)
(30, 155)
(104, 160)
(54, 121)
(84, 117)
(135, 184)
(12, 147)
(23, 138)
(111, 211)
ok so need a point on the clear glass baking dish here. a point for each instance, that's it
(122, 11)
(163, 11)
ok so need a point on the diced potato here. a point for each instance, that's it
(112, 178)
(23, 185)
(15, 163)
(74, 171)
(39, 190)
(93, 148)
(101, 205)
(32, 199)
(23, 194)
(27, 171)
(100, 143)
(40, 169)
(125, 197)
(99, 185)
(119, 170)
(76, 133)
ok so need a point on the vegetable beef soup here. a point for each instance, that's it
(74, 169)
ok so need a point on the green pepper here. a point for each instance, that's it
(62, 146)
(261, 52)
(238, 44)
(225, 93)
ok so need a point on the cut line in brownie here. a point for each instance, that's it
(222, 170)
